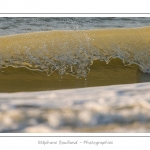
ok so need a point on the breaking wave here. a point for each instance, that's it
(74, 51)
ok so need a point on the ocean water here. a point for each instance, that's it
(48, 54)
(38, 54)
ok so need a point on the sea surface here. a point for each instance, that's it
(41, 57)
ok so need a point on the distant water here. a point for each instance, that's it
(28, 24)
(38, 54)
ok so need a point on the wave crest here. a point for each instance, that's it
(74, 51)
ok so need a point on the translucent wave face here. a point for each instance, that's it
(74, 51)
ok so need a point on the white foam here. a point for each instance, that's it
(73, 109)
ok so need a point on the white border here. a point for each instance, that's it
(74, 6)
(75, 15)
(101, 8)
